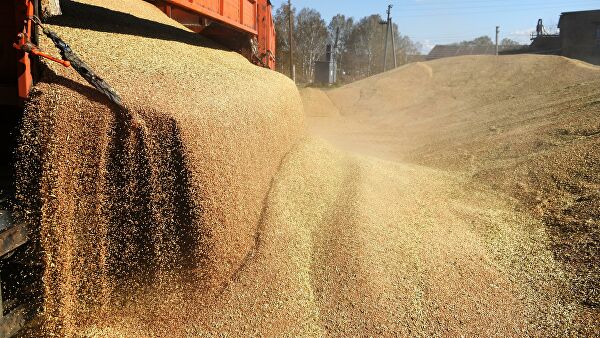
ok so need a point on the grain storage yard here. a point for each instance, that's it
(424, 201)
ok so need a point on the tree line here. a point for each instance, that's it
(487, 41)
(360, 49)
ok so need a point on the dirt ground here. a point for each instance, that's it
(418, 202)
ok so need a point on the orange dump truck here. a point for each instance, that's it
(242, 25)
(245, 26)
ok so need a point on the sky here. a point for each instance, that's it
(432, 22)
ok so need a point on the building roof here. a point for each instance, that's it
(444, 51)
(580, 12)
(592, 11)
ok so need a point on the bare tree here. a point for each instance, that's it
(405, 47)
(310, 40)
(283, 46)
(345, 27)
(480, 41)
(360, 45)
(506, 42)
(366, 47)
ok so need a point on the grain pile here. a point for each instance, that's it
(527, 126)
(124, 204)
(208, 211)
(317, 103)
(352, 246)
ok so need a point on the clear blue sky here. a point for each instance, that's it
(433, 22)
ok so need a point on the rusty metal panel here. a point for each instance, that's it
(12, 322)
(12, 238)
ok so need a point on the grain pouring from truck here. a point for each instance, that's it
(243, 26)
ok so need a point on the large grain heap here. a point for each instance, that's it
(207, 211)
(129, 203)
(527, 126)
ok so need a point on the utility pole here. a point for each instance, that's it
(334, 58)
(393, 43)
(291, 40)
(387, 34)
(497, 34)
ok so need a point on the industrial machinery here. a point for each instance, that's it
(326, 71)
(245, 26)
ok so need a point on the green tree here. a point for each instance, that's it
(360, 45)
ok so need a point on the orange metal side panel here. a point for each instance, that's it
(187, 18)
(241, 21)
(266, 33)
(249, 14)
(231, 10)
(25, 79)
(225, 11)
(16, 77)
(212, 5)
